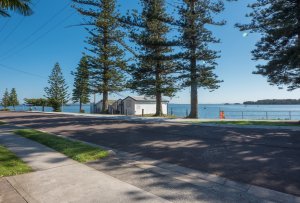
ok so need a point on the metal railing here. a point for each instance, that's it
(263, 115)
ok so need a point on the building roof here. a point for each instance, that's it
(145, 99)
(110, 102)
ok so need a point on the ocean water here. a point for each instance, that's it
(211, 111)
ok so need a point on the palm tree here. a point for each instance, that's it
(21, 6)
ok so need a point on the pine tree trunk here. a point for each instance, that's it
(158, 91)
(194, 90)
(159, 111)
(80, 106)
(105, 102)
(193, 70)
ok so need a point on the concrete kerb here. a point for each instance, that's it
(192, 176)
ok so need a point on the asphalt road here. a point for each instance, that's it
(267, 158)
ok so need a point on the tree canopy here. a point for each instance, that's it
(107, 64)
(57, 91)
(153, 72)
(5, 102)
(81, 88)
(278, 50)
(13, 98)
(20, 6)
(197, 57)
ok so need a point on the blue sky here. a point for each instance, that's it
(33, 44)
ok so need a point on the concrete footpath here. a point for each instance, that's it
(60, 179)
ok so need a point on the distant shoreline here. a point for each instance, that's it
(274, 102)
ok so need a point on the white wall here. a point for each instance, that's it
(135, 108)
(148, 108)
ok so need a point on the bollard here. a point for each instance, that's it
(142, 112)
(222, 115)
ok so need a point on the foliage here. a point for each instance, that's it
(74, 149)
(274, 101)
(153, 73)
(107, 64)
(5, 109)
(81, 83)
(13, 98)
(36, 102)
(278, 50)
(21, 6)
(10, 164)
(5, 99)
(198, 59)
(57, 92)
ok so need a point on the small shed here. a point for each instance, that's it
(97, 108)
(136, 105)
(117, 107)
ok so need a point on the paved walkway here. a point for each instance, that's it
(60, 179)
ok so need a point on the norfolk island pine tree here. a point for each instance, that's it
(153, 72)
(13, 98)
(278, 22)
(197, 58)
(57, 91)
(5, 102)
(81, 83)
(107, 64)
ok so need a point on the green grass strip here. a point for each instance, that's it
(10, 164)
(2, 123)
(74, 149)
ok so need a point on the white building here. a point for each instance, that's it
(136, 105)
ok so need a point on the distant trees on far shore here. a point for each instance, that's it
(274, 102)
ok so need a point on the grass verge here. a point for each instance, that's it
(74, 149)
(2, 123)
(10, 164)
(266, 123)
